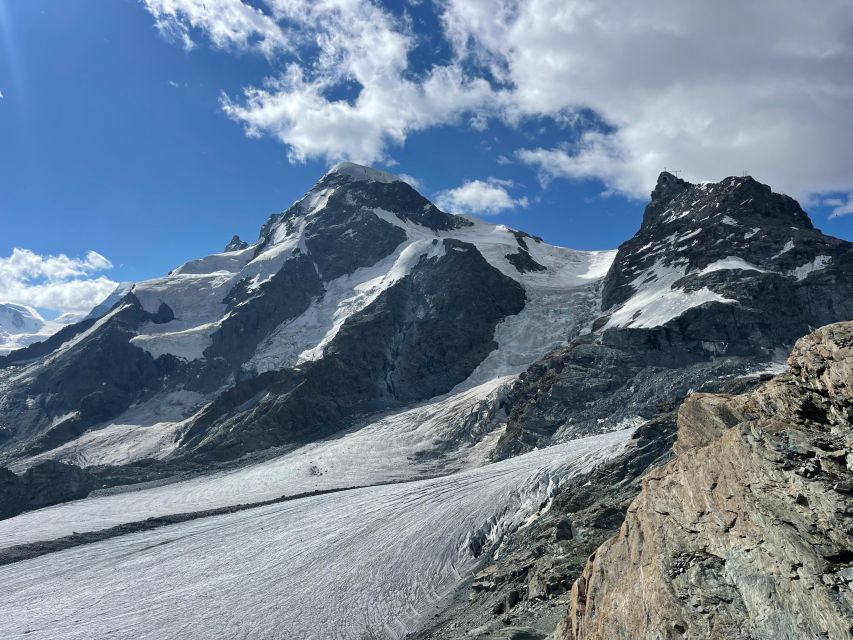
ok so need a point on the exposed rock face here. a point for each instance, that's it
(748, 532)
(40, 486)
(417, 340)
(96, 379)
(696, 294)
(236, 244)
(541, 561)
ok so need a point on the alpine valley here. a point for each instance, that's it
(382, 420)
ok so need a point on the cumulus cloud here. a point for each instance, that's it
(344, 43)
(59, 283)
(480, 197)
(689, 85)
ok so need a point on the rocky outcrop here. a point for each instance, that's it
(541, 561)
(748, 532)
(42, 485)
(236, 244)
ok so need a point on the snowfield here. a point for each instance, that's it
(365, 563)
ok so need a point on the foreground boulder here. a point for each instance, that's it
(748, 532)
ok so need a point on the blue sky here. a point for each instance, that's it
(123, 123)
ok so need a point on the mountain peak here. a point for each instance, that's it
(361, 173)
(236, 244)
(668, 183)
(742, 199)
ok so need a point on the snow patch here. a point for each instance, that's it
(788, 246)
(360, 172)
(803, 271)
(731, 262)
(656, 302)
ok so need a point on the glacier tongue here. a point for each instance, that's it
(374, 561)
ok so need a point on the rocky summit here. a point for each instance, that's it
(451, 426)
(720, 279)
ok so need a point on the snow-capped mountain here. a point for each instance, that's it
(18, 318)
(721, 279)
(362, 295)
(21, 325)
(709, 295)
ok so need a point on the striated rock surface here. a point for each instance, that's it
(748, 532)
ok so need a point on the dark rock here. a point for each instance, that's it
(253, 314)
(236, 244)
(523, 261)
(42, 485)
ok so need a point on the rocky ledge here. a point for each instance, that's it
(748, 532)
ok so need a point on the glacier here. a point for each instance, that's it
(371, 562)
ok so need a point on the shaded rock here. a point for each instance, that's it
(42, 485)
(236, 244)
(418, 339)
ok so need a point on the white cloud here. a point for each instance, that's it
(412, 181)
(355, 44)
(681, 84)
(841, 208)
(480, 197)
(228, 23)
(58, 282)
